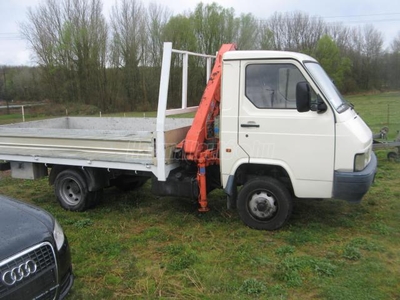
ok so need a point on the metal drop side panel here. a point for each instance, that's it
(121, 143)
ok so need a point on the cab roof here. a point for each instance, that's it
(266, 54)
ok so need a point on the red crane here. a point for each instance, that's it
(196, 146)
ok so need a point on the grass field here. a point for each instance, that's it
(137, 246)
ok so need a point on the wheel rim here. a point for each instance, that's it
(71, 191)
(262, 205)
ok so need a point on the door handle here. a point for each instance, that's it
(248, 125)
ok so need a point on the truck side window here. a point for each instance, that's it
(272, 85)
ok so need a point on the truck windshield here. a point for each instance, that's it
(327, 86)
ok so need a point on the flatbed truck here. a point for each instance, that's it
(270, 126)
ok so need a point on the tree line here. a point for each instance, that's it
(114, 63)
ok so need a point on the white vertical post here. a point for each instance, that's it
(23, 113)
(185, 64)
(161, 111)
(208, 69)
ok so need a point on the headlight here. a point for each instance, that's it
(58, 234)
(361, 161)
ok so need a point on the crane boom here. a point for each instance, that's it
(196, 146)
(194, 143)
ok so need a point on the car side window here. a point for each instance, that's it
(272, 85)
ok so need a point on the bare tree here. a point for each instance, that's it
(42, 31)
(116, 64)
(365, 54)
(295, 31)
(128, 23)
(395, 46)
(392, 70)
(86, 29)
(158, 17)
(340, 34)
(69, 41)
(265, 38)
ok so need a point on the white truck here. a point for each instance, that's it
(270, 126)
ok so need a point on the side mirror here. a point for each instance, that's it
(321, 105)
(303, 96)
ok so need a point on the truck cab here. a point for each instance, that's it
(283, 121)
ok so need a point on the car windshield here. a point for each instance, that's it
(328, 87)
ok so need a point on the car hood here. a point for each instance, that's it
(21, 226)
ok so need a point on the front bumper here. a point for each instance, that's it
(65, 275)
(66, 284)
(352, 186)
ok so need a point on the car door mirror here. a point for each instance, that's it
(303, 96)
(321, 105)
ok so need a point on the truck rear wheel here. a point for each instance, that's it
(264, 204)
(71, 191)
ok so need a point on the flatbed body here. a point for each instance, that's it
(117, 143)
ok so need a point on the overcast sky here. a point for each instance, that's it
(383, 14)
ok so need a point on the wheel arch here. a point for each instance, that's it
(96, 178)
(249, 171)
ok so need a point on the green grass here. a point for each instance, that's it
(138, 246)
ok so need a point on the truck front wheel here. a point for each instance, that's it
(71, 191)
(264, 204)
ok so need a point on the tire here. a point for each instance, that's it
(264, 204)
(71, 190)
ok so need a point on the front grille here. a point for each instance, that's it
(40, 283)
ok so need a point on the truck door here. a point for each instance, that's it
(273, 132)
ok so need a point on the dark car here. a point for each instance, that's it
(35, 260)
